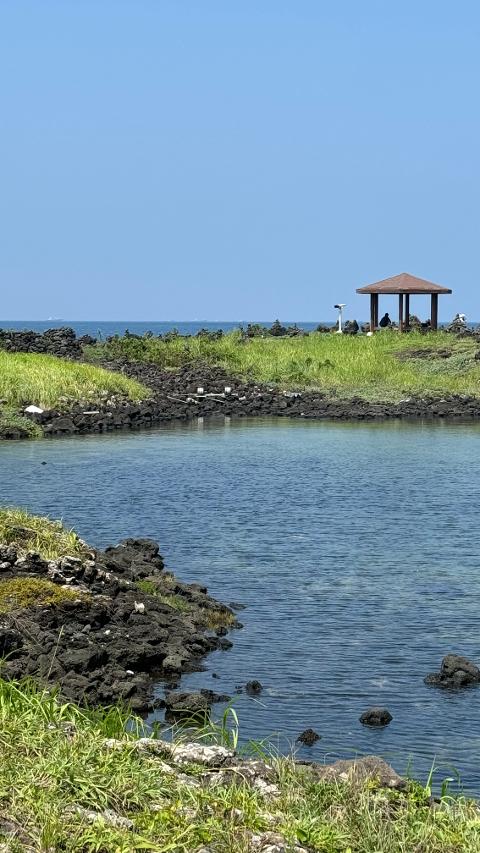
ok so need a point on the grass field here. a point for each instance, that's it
(385, 366)
(49, 382)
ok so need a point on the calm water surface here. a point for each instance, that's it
(356, 549)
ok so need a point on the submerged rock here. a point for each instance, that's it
(183, 704)
(376, 717)
(455, 671)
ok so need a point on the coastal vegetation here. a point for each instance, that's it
(48, 538)
(79, 780)
(21, 593)
(384, 367)
(164, 593)
(13, 424)
(50, 382)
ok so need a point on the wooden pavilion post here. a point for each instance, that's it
(407, 311)
(400, 311)
(434, 312)
(373, 311)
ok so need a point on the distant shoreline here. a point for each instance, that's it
(138, 381)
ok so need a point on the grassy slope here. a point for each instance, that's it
(361, 365)
(54, 764)
(44, 380)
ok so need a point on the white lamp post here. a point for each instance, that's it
(340, 306)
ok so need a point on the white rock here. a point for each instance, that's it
(139, 607)
(188, 753)
(268, 789)
(34, 410)
(108, 816)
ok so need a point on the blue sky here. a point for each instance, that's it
(231, 159)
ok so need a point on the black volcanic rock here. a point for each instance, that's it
(308, 737)
(119, 636)
(376, 717)
(455, 671)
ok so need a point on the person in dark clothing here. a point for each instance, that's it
(385, 321)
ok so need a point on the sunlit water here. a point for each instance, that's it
(356, 549)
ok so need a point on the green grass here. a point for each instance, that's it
(215, 617)
(50, 382)
(376, 368)
(178, 602)
(57, 779)
(24, 593)
(48, 538)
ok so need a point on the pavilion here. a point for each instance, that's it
(405, 285)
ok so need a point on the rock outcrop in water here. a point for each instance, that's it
(180, 703)
(308, 737)
(376, 717)
(127, 624)
(455, 671)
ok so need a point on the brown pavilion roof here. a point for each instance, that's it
(404, 283)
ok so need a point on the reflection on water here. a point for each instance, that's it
(355, 547)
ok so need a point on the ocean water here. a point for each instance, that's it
(355, 548)
(103, 328)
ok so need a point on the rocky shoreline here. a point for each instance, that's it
(122, 625)
(203, 391)
(200, 392)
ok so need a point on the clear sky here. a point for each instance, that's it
(233, 159)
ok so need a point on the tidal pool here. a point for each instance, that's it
(355, 548)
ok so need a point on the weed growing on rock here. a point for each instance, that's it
(172, 600)
(22, 593)
(13, 425)
(48, 538)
